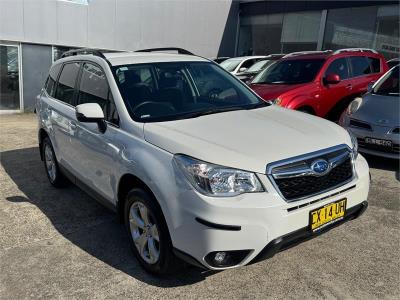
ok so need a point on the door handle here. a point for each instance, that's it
(72, 125)
(349, 87)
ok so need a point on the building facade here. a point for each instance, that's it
(34, 33)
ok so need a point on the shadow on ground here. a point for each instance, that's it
(387, 164)
(81, 220)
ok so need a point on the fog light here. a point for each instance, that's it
(220, 257)
(224, 259)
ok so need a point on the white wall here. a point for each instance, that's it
(196, 25)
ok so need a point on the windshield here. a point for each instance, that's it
(178, 90)
(258, 66)
(290, 71)
(388, 85)
(230, 64)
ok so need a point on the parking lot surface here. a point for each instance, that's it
(63, 244)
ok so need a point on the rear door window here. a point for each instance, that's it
(66, 83)
(52, 80)
(339, 67)
(360, 66)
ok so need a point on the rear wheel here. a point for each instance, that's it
(53, 172)
(148, 233)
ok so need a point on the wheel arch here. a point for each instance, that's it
(126, 183)
(42, 134)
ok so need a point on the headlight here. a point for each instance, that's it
(354, 106)
(277, 101)
(214, 180)
(354, 144)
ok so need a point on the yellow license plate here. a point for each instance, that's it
(327, 214)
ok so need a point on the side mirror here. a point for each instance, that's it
(242, 70)
(91, 113)
(370, 85)
(332, 78)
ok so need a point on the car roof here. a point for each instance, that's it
(329, 53)
(115, 58)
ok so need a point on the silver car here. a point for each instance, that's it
(375, 118)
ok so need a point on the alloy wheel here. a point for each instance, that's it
(50, 162)
(144, 232)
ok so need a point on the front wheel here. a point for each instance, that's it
(148, 233)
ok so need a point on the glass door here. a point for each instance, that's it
(9, 78)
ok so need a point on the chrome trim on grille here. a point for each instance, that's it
(302, 169)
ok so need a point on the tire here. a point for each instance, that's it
(148, 233)
(56, 178)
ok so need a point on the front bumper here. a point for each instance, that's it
(378, 132)
(254, 220)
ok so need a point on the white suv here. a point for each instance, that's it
(197, 166)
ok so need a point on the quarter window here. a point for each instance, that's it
(52, 80)
(94, 88)
(339, 67)
(66, 83)
(360, 66)
(375, 64)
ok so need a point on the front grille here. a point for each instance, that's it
(295, 178)
(292, 188)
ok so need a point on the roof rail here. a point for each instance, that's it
(84, 51)
(355, 50)
(179, 50)
(307, 52)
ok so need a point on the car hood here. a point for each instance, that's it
(379, 110)
(246, 139)
(273, 91)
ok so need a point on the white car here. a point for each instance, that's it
(197, 166)
(238, 65)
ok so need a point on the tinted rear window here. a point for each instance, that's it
(360, 66)
(375, 64)
(66, 83)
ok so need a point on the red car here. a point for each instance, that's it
(322, 83)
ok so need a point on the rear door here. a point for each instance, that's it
(97, 151)
(362, 73)
(62, 115)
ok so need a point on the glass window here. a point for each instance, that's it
(300, 31)
(248, 63)
(350, 27)
(360, 66)
(94, 88)
(58, 51)
(292, 71)
(178, 90)
(339, 67)
(388, 85)
(387, 39)
(66, 83)
(260, 35)
(231, 64)
(9, 78)
(52, 79)
(375, 64)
